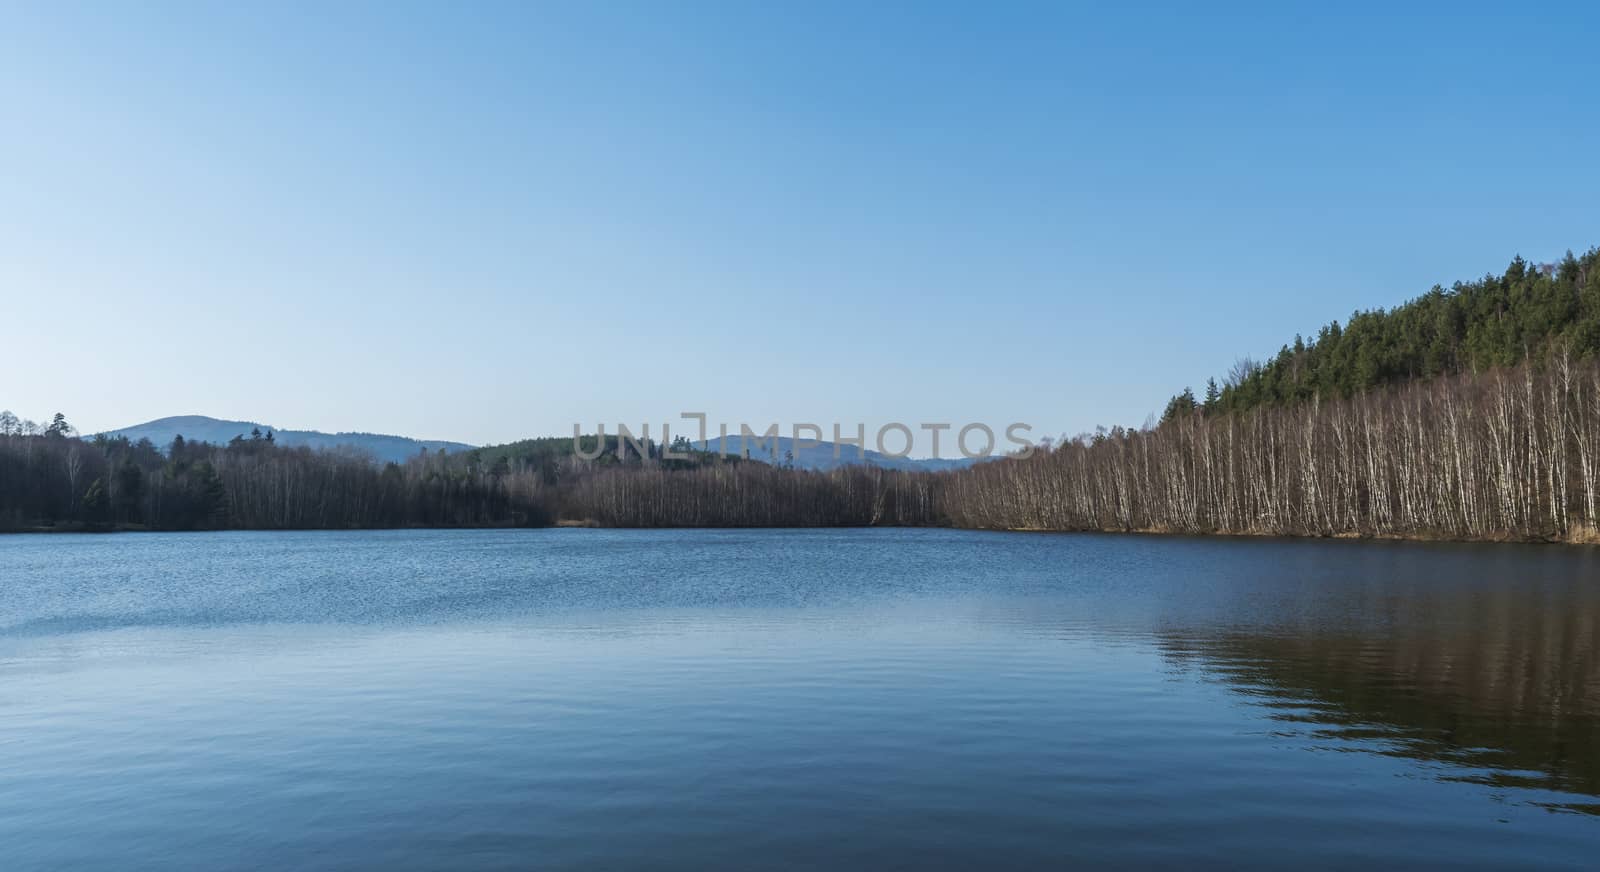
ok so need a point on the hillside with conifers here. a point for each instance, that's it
(1499, 321)
(1472, 413)
(1469, 413)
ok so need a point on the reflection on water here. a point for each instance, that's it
(793, 699)
(1498, 686)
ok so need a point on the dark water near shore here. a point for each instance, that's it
(787, 699)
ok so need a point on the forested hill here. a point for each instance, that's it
(1522, 314)
(548, 453)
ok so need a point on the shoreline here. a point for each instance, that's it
(1577, 538)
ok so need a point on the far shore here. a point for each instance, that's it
(1584, 536)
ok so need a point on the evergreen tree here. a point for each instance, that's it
(1179, 406)
(130, 489)
(95, 503)
(210, 498)
(59, 427)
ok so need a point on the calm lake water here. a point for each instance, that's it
(791, 699)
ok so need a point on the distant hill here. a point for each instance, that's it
(822, 457)
(203, 429)
(546, 452)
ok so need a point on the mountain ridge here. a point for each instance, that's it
(820, 456)
(204, 428)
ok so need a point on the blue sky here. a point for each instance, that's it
(481, 222)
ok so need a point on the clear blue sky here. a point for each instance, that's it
(484, 222)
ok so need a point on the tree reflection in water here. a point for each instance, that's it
(1493, 686)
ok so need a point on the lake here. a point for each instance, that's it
(859, 699)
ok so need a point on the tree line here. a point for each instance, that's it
(1511, 454)
(1422, 422)
(726, 493)
(51, 479)
(1514, 454)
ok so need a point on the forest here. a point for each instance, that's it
(1507, 455)
(1499, 321)
(51, 479)
(1469, 413)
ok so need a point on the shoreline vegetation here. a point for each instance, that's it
(1587, 536)
(1468, 414)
